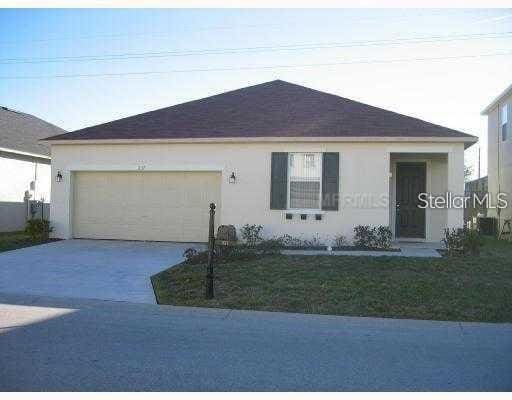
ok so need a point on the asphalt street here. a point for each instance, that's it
(56, 344)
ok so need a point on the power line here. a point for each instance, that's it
(245, 68)
(127, 34)
(399, 17)
(289, 47)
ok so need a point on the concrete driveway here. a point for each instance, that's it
(69, 344)
(95, 269)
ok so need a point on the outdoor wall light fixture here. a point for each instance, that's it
(58, 177)
(232, 178)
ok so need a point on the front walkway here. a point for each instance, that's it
(96, 269)
(408, 249)
(84, 345)
(420, 249)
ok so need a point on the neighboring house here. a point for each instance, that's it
(295, 160)
(499, 136)
(24, 165)
(477, 187)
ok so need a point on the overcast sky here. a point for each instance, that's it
(220, 50)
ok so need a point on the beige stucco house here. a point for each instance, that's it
(499, 136)
(295, 160)
(25, 172)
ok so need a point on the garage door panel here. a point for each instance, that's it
(170, 206)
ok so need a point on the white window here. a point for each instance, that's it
(305, 181)
(504, 120)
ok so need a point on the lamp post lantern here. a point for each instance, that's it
(211, 252)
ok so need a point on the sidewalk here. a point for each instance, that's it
(408, 249)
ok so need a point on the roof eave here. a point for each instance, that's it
(464, 139)
(497, 100)
(24, 155)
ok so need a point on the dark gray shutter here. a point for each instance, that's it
(330, 181)
(279, 181)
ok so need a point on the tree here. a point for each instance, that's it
(468, 171)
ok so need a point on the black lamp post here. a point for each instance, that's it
(211, 250)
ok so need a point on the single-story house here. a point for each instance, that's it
(295, 160)
(24, 165)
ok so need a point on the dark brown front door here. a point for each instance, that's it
(410, 182)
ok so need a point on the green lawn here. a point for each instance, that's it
(462, 288)
(15, 240)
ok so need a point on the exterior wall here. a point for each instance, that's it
(500, 158)
(364, 170)
(16, 176)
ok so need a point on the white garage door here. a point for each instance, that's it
(167, 206)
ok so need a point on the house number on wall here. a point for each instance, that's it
(141, 167)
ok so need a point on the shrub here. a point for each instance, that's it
(471, 242)
(233, 253)
(38, 229)
(221, 254)
(340, 241)
(368, 237)
(251, 234)
(270, 246)
(192, 256)
(462, 240)
(453, 241)
(364, 236)
(189, 253)
(315, 241)
(290, 241)
(383, 237)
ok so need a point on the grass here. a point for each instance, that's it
(16, 240)
(458, 288)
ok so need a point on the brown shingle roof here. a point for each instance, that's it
(272, 109)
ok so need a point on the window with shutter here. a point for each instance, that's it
(278, 181)
(330, 181)
(305, 181)
(504, 121)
